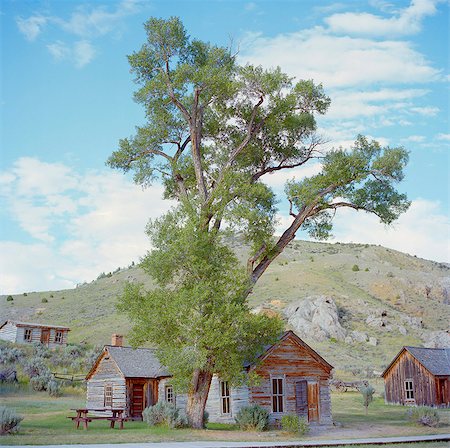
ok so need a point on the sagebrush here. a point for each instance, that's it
(253, 418)
(9, 421)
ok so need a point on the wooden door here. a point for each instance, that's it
(137, 399)
(313, 402)
(45, 336)
(441, 396)
(301, 398)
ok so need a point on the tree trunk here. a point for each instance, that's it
(198, 394)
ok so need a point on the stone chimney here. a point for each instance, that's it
(117, 340)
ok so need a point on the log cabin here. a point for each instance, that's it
(419, 376)
(32, 333)
(294, 379)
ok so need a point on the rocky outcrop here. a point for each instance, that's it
(315, 317)
(436, 339)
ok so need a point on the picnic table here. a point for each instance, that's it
(84, 417)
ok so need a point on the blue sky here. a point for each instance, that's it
(66, 100)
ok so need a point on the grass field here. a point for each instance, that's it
(46, 422)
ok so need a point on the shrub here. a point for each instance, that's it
(9, 355)
(355, 268)
(40, 382)
(25, 294)
(53, 388)
(9, 299)
(9, 420)
(367, 269)
(423, 415)
(35, 367)
(163, 413)
(294, 423)
(44, 300)
(367, 394)
(253, 418)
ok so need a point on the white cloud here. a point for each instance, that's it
(415, 138)
(426, 111)
(97, 21)
(346, 103)
(84, 223)
(338, 61)
(444, 137)
(85, 23)
(31, 27)
(59, 50)
(407, 21)
(83, 53)
(278, 179)
(423, 230)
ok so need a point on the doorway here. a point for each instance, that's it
(45, 336)
(137, 399)
(307, 400)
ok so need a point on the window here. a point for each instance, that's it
(28, 335)
(409, 390)
(59, 337)
(224, 397)
(107, 398)
(168, 394)
(277, 394)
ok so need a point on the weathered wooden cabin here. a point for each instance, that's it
(419, 376)
(30, 333)
(124, 378)
(294, 379)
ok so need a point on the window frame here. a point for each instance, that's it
(169, 394)
(409, 391)
(108, 395)
(225, 397)
(278, 404)
(59, 336)
(28, 334)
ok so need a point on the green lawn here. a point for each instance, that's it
(46, 422)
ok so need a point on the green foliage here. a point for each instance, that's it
(9, 298)
(167, 414)
(253, 418)
(423, 415)
(355, 268)
(25, 294)
(367, 393)
(44, 300)
(9, 421)
(295, 424)
(214, 130)
(10, 355)
(199, 312)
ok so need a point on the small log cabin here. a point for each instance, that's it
(294, 379)
(419, 376)
(31, 333)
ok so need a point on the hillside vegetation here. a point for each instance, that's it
(393, 298)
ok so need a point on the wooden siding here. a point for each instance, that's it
(14, 333)
(405, 368)
(238, 399)
(293, 363)
(8, 332)
(106, 372)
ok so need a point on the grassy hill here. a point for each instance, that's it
(384, 280)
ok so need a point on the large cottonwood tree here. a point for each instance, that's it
(214, 131)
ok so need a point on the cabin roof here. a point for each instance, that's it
(435, 360)
(143, 363)
(270, 348)
(33, 325)
(137, 362)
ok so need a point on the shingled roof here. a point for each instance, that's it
(137, 363)
(435, 360)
